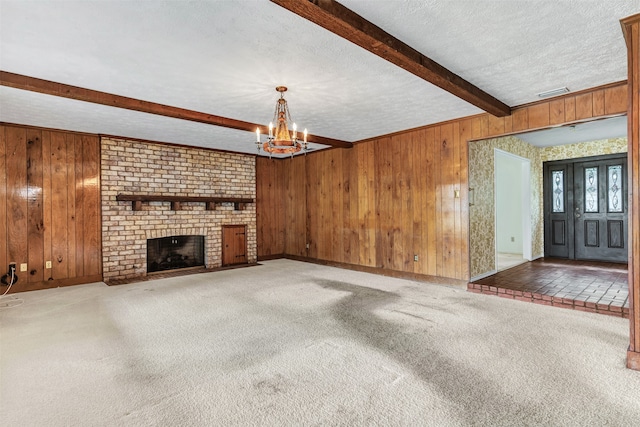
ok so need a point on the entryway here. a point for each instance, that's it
(585, 208)
(598, 287)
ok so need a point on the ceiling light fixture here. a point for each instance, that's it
(553, 92)
(280, 141)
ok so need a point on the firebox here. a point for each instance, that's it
(174, 252)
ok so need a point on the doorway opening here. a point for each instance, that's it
(512, 209)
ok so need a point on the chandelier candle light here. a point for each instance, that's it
(281, 142)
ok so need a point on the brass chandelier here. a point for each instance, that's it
(280, 141)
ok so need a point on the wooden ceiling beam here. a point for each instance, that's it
(33, 84)
(336, 18)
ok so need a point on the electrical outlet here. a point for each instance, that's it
(47, 264)
(23, 267)
(415, 258)
(307, 246)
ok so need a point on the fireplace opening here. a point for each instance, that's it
(174, 252)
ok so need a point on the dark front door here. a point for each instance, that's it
(586, 208)
(234, 244)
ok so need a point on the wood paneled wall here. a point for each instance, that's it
(390, 198)
(376, 205)
(49, 206)
(270, 207)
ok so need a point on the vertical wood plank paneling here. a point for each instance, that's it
(430, 215)
(508, 124)
(447, 205)
(17, 209)
(315, 206)
(456, 167)
(345, 209)
(75, 219)
(598, 103)
(59, 248)
(91, 211)
(270, 206)
(496, 125)
(615, 100)
(280, 232)
(396, 219)
(326, 224)
(419, 167)
(370, 191)
(438, 205)
(584, 106)
(4, 262)
(465, 136)
(538, 116)
(407, 192)
(38, 181)
(312, 203)
(46, 202)
(350, 169)
(556, 112)
(35, 212)
(294, 206)
(355, 196)
(298, 174)
(383, 194)
(335, 198)
(570, 109)
(476, 125)
(363, 203)
(520, 119)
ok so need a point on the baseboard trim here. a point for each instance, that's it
(633, 360)
(437, 280)
(270, 257)
(48, 284)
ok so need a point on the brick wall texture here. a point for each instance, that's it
(132, 167)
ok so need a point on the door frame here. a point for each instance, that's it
(525, 201)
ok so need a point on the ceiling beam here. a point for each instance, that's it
(33, 84)
(336, 18)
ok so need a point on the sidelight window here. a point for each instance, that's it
(615, 188)
(557, 183)
(591, 189)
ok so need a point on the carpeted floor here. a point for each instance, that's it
(291, 343)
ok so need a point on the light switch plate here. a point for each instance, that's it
(23, 267)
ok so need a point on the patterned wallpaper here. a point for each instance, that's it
(584, 149)
(481, 179)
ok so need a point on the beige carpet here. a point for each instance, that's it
(290, 343)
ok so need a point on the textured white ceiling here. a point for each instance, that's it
(226, 57)
(613, 127)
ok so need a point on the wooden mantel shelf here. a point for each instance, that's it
(137, 199)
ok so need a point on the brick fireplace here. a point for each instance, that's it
(141, 168)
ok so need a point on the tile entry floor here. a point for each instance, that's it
(599, 287)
